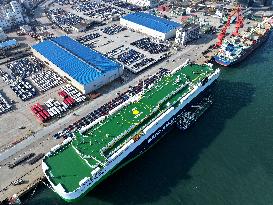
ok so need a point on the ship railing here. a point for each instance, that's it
(157, 120)
(95, 171)
(82, 130)
(180, 66)
(120, 150)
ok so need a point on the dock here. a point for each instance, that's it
(32, 178)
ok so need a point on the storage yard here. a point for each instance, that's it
(50, 88)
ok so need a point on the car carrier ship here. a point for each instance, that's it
(240, 45)
(96, 151)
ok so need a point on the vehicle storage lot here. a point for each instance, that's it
(122, 42)
(20, 115)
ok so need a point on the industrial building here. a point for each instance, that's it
(187, 34)
(151, 25)
(84, 68)
(143, 3)
(8, 44)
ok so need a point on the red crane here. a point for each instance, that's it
(239, 24)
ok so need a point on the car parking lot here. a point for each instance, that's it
(128, 6)
(105, 12)
(88, 37)
(46, 79)
(23, 89)
(63, 18)
(129, 57)
(148, 45)
(55, 108)
(134, 60)
(24, 67)
(52, 108)
(113, 29)
(69, 91)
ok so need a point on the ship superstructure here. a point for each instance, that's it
(238, 47)
(97, 150)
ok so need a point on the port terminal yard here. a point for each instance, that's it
(21, 134)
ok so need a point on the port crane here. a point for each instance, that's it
(239, 24)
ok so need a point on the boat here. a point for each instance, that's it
(238, 47)
(102, 147)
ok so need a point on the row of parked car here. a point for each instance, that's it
(25, 67)
(148, 45)
(129, 57)
(56, 108)
(6, 77)
(69, 90)
(125, 5)
(4, 104)
(41, 114)
(144, 63)
(105, 12)
(104, 109)
(113, 29)
(62, 18)
(87, 6)
(62, 2)
(46, 79)
(70, 97)
(116, 51)
(88, 37)
(23, 89)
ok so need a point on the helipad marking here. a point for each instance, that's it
(135, 111)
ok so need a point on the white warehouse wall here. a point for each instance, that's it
(87, 88)
(147, 31)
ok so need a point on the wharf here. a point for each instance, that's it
(32, 178)
(208, 57)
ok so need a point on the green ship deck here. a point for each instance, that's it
(89, 150)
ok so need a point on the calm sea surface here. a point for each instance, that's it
(225, 158)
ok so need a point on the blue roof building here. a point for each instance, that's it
(149, 24)
(8, 44)
(85, 68)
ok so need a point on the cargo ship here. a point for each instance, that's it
(97, 150)
(238, 47)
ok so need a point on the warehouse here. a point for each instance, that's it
(151, 25)
(84, 68)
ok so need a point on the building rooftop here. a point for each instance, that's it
(153, 22)
(90, 56)
(93, 147)
(78, 61)
(8, 43)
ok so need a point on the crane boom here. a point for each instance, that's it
(239, 24)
